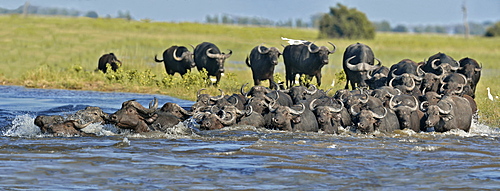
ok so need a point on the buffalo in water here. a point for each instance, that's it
(71, 125)
(108, 59)
(139, 119)
(305, 59)
(177, 59)
(262, 61)
(208, 56)
(358, 62)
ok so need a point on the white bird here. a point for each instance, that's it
(489, 94)
(293, 41)
(333, 83)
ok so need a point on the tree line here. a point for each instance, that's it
(28, 9)
(340, 22)
(475, 28)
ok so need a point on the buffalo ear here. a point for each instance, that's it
(296, 119)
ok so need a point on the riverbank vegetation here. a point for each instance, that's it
(58, 52)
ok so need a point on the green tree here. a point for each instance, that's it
(92, 14)
(493, 31)
(344, 22)
(400, 28)
(383, 26)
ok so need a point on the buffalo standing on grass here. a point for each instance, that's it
(108, 59)
(208, 56)
(177, 59)
(262, 61)
(305, 59)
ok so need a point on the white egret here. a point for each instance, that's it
(489, 94)
(293, 41)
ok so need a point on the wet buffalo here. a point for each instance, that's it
(139, 119)
(472, 71)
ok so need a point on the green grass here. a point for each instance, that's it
(58, 52)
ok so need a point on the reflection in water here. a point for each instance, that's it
(232, 158)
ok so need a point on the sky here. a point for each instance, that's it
(409, 12)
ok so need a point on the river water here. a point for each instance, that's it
(234, 158)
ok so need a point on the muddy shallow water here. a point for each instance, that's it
(234, 158)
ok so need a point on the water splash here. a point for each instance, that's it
(22, 126)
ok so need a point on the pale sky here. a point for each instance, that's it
(410, 12)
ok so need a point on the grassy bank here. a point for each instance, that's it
(54, 52)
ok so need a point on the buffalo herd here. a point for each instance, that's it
(436, 94)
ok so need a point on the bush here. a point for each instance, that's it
(493, 30)
(343, 22)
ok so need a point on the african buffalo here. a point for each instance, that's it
(433, 65)
(377, 78)
(451, 112)
(406, 108)
(208, 56)
(331, 116)
(71, 125)
(177, 59)
(305, 59)
(139, 119)
(108, 59)
(472, 71)
(286, 118)
(358, 62)
(262, 61)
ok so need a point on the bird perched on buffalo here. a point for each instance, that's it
(108, 59)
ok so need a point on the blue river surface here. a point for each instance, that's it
(233, 158)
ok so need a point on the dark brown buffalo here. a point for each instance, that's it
(472, 71)
(406, 109)
(71, 125)
(177, 59)
(262, 61)
(306, 59)
(358, 62)
(451, 112)
(139, 119)
(331, 116)
(108, 59)
(208, 56)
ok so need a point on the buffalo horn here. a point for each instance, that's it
(228, 54)
(293, 111)
(211, 55)
(379, 62)
(423, 107)
(78, 125)
(364, 100)
(312, 105)
(175, 55)
(334, 48)
(375, 115)
(310, 92)
(260, 50)
(198, 93)
(242, 90)
(433, 64)
(218, 97)
(445, 111)
(224, 121)
(310, 50)
(249, 111)
(415, 107)
(142, 109)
